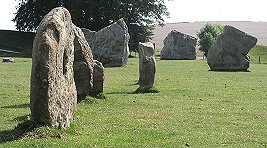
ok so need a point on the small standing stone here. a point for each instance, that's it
(99, 77)
(147, 66)
(53, 95)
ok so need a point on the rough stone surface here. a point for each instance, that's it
(83, 65)
(110, 44)
(178, 46)
(98, 78)
(147, 65)
(53, 95)
(8, 59)
(230, 50)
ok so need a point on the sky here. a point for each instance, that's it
(180, 11)
(216, 10)
(7, 10)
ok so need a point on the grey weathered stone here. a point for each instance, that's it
(178, 46)
(53, 95)
(83, 65)
(98, 78)
(230, 50)
(8, 59)
(147, 66)
(110, 44)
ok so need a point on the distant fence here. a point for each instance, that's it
(262, 59)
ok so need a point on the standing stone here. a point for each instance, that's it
(110, 44)
(178, 46)
(53, 95)
(147, 66)
(230, 50)
(83, 65)
(98, 78)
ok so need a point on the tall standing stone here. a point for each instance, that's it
(147, 66)
(53, 95)
(83, 65)
(230, 50)
(178, 46)
(110, 44)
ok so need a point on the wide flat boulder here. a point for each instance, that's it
(229, 53)
(178, 46)
(110, 44)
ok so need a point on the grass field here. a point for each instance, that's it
(258, 54)
(195, 107)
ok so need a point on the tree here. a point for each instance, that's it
(208, 35)
(31, 12)
(139, 15)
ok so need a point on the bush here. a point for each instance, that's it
(208, 35)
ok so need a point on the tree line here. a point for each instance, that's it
(139, 15)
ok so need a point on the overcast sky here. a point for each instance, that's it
(216, 10)
(181, 11)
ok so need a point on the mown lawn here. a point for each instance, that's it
(195, 107)
(258, 54)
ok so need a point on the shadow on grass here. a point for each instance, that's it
(232, 70)
(18, 132)
(138, 91)
(91, 97)
(30, 129)
(26, 105)
(133, 84)
(147, 90)
(136, 82)
(22, 118)
(114, 93)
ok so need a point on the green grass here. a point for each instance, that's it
(195, 107)
(258, 51)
